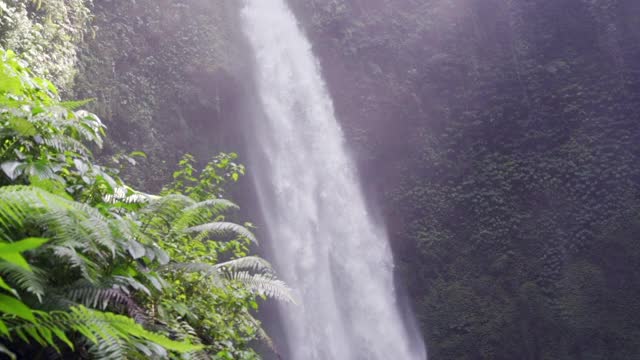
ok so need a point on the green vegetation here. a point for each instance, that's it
(91, 268)
(164, 76)
(502, 133)
(46, 33)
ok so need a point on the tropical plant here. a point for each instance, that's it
(42, 139)
(94, 268)
(47, 33)
(85, 251)
(197, 236)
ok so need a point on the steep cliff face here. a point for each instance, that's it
(164, 74)
(504, 135)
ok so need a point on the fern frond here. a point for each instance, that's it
(263, 284)
(201, 213)
(246, 263)
(217, 206)
(128, 196)
(97, 298)
(75, 104)
(63, 143)
(64, 221)
(107, 329)
(127, 281)
(88, 268)
(170, 204)
(159, 215)
(181, 330)
(103, 298)
(223, 229)
(31, 281)
(114, 349)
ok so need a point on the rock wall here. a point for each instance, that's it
(165, 78)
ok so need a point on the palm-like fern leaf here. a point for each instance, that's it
(65, 222)
(63, 143)
(218, 206)
(29, 280)
(159, 215)
(254, 263)
(128, 196)
(202, 212)
(75, 104)
(223, 229)
(102, 298)
(96, 326)
(264, 284)
(171, 205)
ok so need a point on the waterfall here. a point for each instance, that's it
(326, 246)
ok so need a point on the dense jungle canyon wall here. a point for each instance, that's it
(501, 137)
(504, 135)
(166, 76)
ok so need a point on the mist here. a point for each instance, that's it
(321, 179)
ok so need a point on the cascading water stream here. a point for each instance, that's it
(326, 246)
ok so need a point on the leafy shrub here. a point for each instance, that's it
(93, 268)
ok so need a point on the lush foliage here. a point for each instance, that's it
(46, 33)
(91, 267)
(162, 73)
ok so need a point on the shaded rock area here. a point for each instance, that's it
(165, 78)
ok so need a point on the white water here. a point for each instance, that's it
(326, 246)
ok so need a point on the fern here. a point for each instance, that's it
(128, 196)
(264, 284)
(247, 263)
(223, 229)
(69, 224)
(119, 333)
(217, 206)
(61, 143)
(75, 104)
(89, 295)
(170, 205)
(28, 280)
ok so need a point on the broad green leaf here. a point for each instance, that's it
(3, 330)
(4, 285)
(62, 336)
(50, 185)
(22, 245)
(11, 251)
(138, 153)
(13, 306)
(9, 83)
